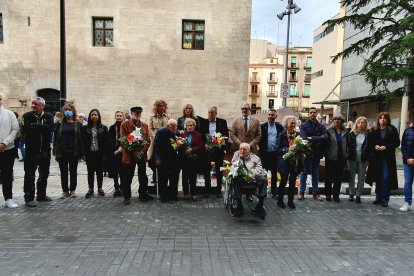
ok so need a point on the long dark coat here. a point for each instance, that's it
(285, 166)
(391, 142)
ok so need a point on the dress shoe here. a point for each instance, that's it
(384, 204)
(145, 197)
(101, 192)
(336, 199)
(291, 205)
(351, 198)
(249, 198)
(238, 212)
(89, 194)
(219, 195)
(259, 211)
(377, 202)
(43, 198)
(301, 196)
(164, 199)
(31, 203)
(117, 193)
(317, 197)
(358, 199)
(328, 198)
(281, 204)
(127, 201)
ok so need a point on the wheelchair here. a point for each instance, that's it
(230, 202)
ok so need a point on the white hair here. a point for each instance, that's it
(40, 99)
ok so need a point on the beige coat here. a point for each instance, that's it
(252, 163)
(154, 124)
(252, 136)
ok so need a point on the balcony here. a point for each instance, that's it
(308, 78)
(293, 65)
(293, 79)
(271, 94)
(254, 94)
(307, 67)
(272, 80)
(254, 79)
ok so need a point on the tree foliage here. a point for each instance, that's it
(388, 45)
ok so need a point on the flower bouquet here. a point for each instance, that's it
(134, 142)
(236, 169)
(215, 141)
(301, 147)
(180, 144)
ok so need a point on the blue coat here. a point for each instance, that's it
(407, 144)
(163, 150)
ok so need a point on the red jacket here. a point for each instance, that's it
(126, 128)
(196, 142)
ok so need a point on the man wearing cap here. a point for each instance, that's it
(37, 127)
(129, 158)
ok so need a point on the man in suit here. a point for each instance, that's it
(166, 159)
(129, 158)
(210, 126)
(268, 154)
(246, 129)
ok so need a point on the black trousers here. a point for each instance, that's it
(68, 163)
(168, 174)
(129, 171)
(291, 177)
(269, 161)
(117, 171)
(259, 180)
(334, 170)
(6, 172)
(32, 162)
(94, 163)
(216, 156)
(189, 176)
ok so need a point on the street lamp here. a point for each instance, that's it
(296, 9)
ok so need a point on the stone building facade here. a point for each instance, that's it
(136, 54)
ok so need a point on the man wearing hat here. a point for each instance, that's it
(129, 158)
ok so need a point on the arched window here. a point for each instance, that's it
(52, 98)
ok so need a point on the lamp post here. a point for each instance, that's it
(62, 54)
(296, 9)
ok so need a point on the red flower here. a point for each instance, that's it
(131, 138)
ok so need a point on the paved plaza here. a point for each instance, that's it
(101, 236)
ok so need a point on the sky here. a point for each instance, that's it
(266, 25)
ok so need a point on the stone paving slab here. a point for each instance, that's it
(101, 236)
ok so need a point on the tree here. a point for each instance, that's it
(389, 45)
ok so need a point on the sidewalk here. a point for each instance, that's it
(101, 236)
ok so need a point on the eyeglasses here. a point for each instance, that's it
(245, 108)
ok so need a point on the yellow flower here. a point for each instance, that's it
(297, 139)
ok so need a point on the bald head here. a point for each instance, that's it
(172, 125)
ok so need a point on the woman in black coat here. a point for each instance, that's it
(289, 169)
(95, 141)
(382, 140)
(115, 153)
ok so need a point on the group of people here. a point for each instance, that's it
(262, 148)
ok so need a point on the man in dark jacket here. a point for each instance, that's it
(37, 127)
(166, 159)
(316, 134)
(211, 126)
(267, 145)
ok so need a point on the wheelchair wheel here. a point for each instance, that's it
(226, 193)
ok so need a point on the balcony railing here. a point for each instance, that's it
(272, 80)
(293, 65)
(293, 78)
(308, 78)
(254, 94)
(254, 79)
(271, 94)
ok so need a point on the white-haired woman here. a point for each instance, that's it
(357, 141)
(289, 169)
(336, 156)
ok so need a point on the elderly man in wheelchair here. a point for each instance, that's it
(253, 182)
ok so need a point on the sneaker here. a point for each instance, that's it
(301, 196)
(31, 203)
(72, 194)
(317, 197)
(44, 198)
(89, 194)
(101, 192)
(64, 195)
(406, 207)
(11, 204)
(358, 199)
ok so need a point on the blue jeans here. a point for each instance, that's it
(408, 183)
(308, 164)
